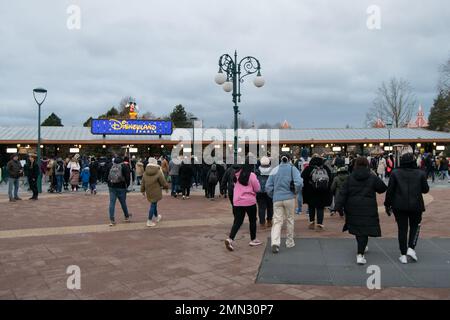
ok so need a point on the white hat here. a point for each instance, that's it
(265, 161)
(152, 162)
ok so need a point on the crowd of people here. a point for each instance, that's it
(270, 194)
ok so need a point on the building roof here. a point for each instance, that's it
(69, 135)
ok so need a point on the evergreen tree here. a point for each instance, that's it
(52, 121)
(179, 117)
(439, 118)
(88, 122)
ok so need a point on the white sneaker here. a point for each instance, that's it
(150, 223)
(360, 259)
(255, 243)
(412, 253)
(367, 249)
(184, 198)
(403, 259)
(158, 218)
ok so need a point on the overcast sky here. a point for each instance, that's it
(321, 63)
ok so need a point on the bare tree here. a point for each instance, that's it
(444, 79)
(394, 103)
(243, 124)
(265, 125)
(148, 116)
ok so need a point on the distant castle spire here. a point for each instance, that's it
(421, 121)
(379, 124)
(285, 125)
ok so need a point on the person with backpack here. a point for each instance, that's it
(316, 191)
(118, 182)
(282, 186)
(185, 177)
(246, 185)
(336, 186)
(59, 174)
(265, 203)
(404, 197)
(357, 198)
(212, 178)
(152, 182)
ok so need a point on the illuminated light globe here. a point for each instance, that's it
(228, 86)
(220, 78)
(259, 81)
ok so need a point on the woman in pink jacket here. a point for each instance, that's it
(246, 185)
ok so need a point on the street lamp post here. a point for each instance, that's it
(42, 94)
(389, 127)
(231, 74)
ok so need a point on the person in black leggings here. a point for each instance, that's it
(404, 198)
(358, 199)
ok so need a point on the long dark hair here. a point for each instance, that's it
(245, 173)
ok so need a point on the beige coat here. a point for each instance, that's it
(139, 169)
(152, 182)
(165, 166)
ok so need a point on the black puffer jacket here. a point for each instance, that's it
(313, 197)
(358, 198)
(185, 175)
(405, 189)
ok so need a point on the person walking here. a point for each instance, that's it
(165, 167)
(140, 171)
(59, 174)
(14, 170)
(185, 177)
(85, 176)
(282, 186)
(33, 175)
(246, 185)
(381, 168)
(152, 182)
(390, 164)
(316, 191)
(357, 198)
(74, 168)
(404, 197)
(265, 203)
(429, 166)
(211, 179)
(94, 173)
(336, 186)
(174, 171)
(443, 168)
(118, 182)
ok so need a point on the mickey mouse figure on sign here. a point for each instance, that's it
(133, 109)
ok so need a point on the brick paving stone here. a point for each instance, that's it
(185, 259)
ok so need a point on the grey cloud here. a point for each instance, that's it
(322, 65)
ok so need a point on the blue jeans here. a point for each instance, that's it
(93, 186)
(153, 212)
(299, 201)
(114, 194)
(174, 184)
(13, 182)
(59, 183)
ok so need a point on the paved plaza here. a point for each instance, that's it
(182, 258)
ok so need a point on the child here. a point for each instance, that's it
(85, 175)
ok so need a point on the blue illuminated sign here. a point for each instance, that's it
(131, 127)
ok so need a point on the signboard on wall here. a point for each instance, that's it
(131, 127)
